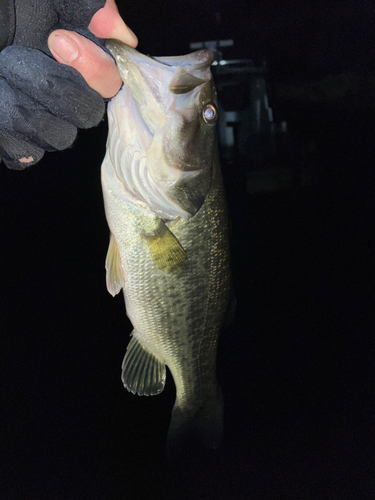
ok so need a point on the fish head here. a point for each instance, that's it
(165, 117)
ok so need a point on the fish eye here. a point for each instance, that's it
(210, 114)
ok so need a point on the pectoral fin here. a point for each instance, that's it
(168, 254)
(142, 372)
(115, 275)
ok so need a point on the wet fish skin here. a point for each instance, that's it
(169, 251)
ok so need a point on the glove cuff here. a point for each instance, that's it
(7, 22)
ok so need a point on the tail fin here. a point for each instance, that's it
(194, 429)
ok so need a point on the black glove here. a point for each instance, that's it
(42, 102)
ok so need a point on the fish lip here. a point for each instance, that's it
(154, 82)
(117, 48)
(198, 60)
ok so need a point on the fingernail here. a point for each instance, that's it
(135, 37)
(64, 47)
(26, 160)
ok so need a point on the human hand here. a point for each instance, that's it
(96, 66)
(43, 102)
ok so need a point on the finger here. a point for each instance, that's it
(107, 23)
(16, 153)
(87, 58)
(58, 88)
(21, 115)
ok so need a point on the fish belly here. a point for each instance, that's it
(178, 317)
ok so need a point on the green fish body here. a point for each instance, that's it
(169, 250)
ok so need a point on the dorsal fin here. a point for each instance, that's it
(142, 372)
(115, 275)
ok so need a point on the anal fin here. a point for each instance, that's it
(115, 274)
(142, 372)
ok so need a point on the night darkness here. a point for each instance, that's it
(296, 366)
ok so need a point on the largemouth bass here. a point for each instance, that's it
(168, 251)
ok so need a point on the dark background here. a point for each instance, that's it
(297, 364)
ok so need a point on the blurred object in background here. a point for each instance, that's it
(248, 136)
(245, 119)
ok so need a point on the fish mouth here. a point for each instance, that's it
(153, 81)
(123, 53)
(157, 115)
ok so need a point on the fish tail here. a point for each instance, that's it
(194, 429)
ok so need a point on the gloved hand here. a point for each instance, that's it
(42, 102)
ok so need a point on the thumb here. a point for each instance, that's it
(96, 66)
(107, 23)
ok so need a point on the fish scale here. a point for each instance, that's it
(175, 270)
